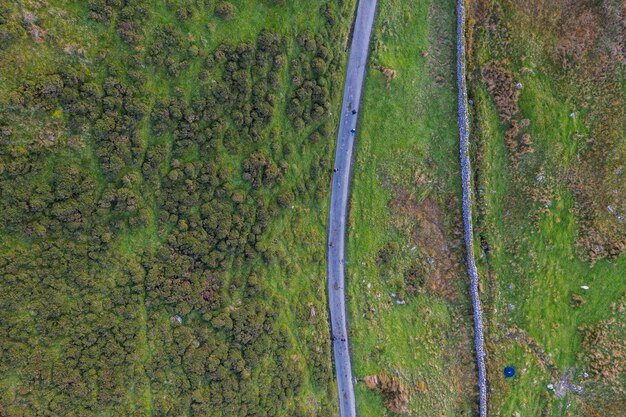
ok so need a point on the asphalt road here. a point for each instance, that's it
(347, 135)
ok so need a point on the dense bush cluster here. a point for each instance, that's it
(310, 75)
(225, 10)
(135, 221)
(129, 17)
(215, 219)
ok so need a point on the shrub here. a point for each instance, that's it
(225, 10)
(286, 199)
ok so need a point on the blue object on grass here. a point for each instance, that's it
(509, 371)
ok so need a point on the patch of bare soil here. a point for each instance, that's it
(440, 268)
(396, 394)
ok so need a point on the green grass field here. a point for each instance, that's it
(407, 145)
(530, 217)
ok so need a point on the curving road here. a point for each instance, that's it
(466, 179)
(355, 74)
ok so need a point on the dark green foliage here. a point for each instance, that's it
(128, 15)
(134, 214)
(310, 100)
(225, 10)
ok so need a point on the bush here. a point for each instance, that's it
(286, 199)
(225, 10)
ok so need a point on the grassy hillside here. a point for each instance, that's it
(548, 92)
(410, 319)
(164, 168)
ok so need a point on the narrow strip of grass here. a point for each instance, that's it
(407, 142)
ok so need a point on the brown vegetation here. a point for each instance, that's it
(438, 271)
(604, 351)
(395, 393)
(584, 51)
(388, 73)
(499, 82)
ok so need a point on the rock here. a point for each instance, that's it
(576, 388)
(29, 18)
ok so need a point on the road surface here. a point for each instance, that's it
(347, 135)
(466, 180)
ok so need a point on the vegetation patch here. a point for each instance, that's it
(396, 395)
(408, 302)
(439, 270)
(604, 351)
(547, 183)
(156, 197)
